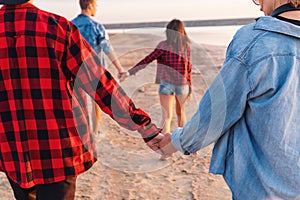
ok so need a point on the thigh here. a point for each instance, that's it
(63, 190)
(180, 102)
(166, 102)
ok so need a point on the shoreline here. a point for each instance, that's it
(188, 23)
(208, 35)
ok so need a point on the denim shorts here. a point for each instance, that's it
(170, 89)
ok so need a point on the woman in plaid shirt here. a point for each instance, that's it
(173, 73)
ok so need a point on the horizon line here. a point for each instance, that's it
(187, 23)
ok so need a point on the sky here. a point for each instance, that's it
(130, 11)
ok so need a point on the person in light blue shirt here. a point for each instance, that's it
(251, 112)
(95, 34)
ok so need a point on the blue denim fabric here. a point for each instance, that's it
(167, 88)
(94, 33)
(252, 114)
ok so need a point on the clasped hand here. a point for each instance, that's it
(162, 144)
(122, 76)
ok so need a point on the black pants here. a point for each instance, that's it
(64, 190)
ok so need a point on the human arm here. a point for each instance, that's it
(112, 56)
(108, 50)
(123, 76)
(141, 64)
(105, 45)
(83, 63)
(166, 147)
(156, 53)
(220, 108)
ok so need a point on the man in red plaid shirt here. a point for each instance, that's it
(45, 140)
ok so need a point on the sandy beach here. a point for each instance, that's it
(126, 168)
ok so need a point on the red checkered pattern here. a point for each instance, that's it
(45, 67)
(171, 66)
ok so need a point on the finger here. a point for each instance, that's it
(153, 146)
(165, 141)
(157, 150)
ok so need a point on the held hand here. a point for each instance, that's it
(120, 72)
(122, 76)
(166, 146)
(153, 144)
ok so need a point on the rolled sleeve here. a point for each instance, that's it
(176, 140)
(149, 132)
(106, 46)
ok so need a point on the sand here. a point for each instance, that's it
(126, 167)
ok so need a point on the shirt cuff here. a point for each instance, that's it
(149, 132)
(175, 139)
(107, 50)
(131, 71)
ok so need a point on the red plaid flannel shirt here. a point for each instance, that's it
(171, 66)
(44, 65)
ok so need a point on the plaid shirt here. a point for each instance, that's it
(171, 66)
(45, 65)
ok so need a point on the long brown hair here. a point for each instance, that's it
(177, 37)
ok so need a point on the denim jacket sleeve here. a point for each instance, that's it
(103, 39)
(221, 107)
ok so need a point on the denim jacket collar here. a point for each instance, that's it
(272, 24)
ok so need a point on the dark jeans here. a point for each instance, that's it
(64, 190)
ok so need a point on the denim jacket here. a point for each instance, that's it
(252, 114)
(94, 33)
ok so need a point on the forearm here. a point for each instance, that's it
(114, 101)
(219, 110)
(207, 124)
(102, 87)
(144, 62)
(191, 137)
(112, 56)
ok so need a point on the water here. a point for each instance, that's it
(212, 35)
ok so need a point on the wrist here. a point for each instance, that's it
(149, 132)
(120, 70)
(148, 138)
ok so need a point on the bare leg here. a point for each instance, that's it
(180, 109)
(96, 115)
(166, 102)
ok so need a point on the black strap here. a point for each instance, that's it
(284, 8)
